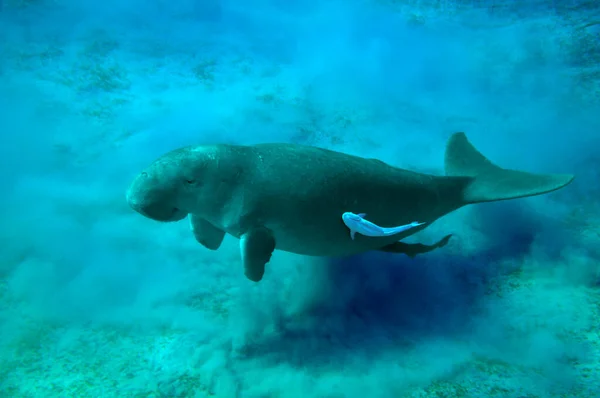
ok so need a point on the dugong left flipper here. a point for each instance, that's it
(257, 246)
(413, 249)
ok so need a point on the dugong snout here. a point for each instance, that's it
(152, 201)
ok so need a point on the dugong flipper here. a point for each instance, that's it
(292, 197)
(257, 245)
(205, 233)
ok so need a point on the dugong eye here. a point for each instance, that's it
(190, 181)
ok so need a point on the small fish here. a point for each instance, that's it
(357, 224)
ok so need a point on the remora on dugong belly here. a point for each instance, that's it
(291, 197)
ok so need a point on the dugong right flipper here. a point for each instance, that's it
(256, 246)
(412, 249)
(205, 233)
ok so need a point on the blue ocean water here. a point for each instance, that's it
(97, 301)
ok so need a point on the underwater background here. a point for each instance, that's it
(97, 301)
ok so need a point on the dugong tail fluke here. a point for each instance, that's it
(487, 182)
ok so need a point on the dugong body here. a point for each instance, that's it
(292, 197)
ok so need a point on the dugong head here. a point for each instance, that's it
(172, 186)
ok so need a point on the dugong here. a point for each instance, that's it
(291, 197)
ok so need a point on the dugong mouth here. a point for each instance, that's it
(158, 213)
